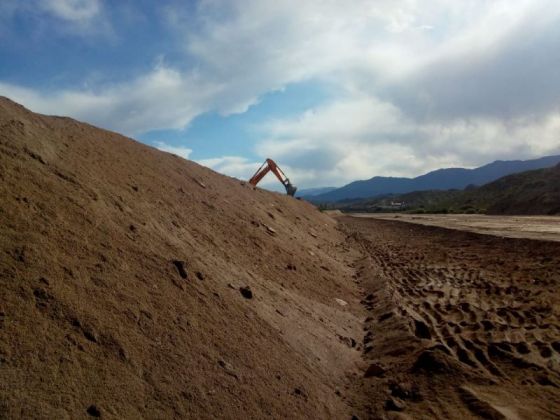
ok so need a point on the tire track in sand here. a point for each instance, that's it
(452, 311)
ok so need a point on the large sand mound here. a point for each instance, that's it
(121, 268)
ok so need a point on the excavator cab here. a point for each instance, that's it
(266, 167)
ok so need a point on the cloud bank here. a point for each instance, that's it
(418, 85)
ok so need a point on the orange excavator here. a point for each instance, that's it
(266, 167)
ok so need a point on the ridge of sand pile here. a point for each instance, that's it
(120, 276)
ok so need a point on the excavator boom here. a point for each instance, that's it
(270, 166)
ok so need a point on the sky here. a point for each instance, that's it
(333, 90)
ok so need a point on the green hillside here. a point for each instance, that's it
(531, 192)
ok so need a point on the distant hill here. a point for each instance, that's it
(311, 192)
(534, 192)
(530, 192)
(441, 179)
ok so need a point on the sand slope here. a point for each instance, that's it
(96, 317)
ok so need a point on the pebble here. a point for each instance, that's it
(246, 292)
(375, 370)
(394, 404)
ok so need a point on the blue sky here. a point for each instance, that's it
(211, 134)
(334, 91)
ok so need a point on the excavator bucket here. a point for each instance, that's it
(290, 189)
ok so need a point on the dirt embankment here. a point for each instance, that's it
(460, 325)
(135, 284)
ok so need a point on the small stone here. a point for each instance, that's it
(41, 294)
(181, 268)
(300, 392)
(93, 411)
(374, 370)
(394, 404)
(228, 368)
(341, 302)
(224, 364)
(199, 275)
(246, 292)
(90, 334)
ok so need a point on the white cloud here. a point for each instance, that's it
(163, 98)
(73, 10)
(362, 136)
(420, 84)
(236, 166)
(242, 50)
(82, 18)
(184, 152)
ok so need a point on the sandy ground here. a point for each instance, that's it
(460, 325)
(530, 227)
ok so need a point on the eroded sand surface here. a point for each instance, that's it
(460, 325)
(531, 227)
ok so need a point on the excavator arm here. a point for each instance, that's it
(270, 166)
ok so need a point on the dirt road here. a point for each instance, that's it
(460, 324)
(529, 227)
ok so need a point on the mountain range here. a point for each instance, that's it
(311, 192)
(525, 193)
(441, 179)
